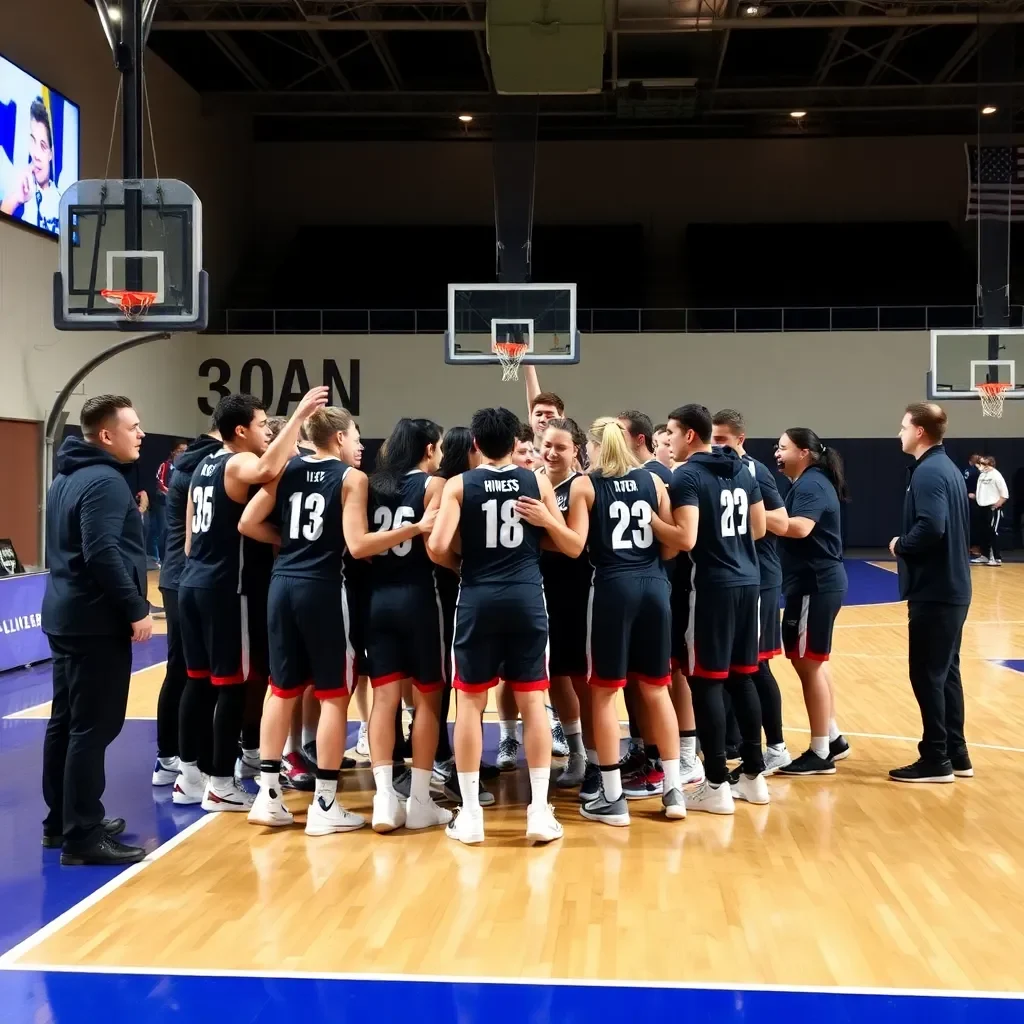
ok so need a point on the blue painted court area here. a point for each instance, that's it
(871, 585)
(1017, 664)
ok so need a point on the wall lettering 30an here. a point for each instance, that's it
(256, 377)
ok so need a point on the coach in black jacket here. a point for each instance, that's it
(933, 553)
(95, 606)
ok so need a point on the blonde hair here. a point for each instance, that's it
(327, 422)
(615, 457)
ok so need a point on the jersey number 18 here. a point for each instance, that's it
(510, 533)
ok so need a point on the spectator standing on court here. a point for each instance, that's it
(933, 555)
(992, 495)
(971, 474)
(95, 606)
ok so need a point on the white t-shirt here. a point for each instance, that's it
(991, 487)
(43, 208)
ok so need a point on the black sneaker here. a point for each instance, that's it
(488, 771)
(838, 749)
(962, 767)
(633, 760)
(733, 777)
(402, 783)
(591, 788)
(923, 771)
(106, 850)
(808, 763)
(453, 792)
(55, 840)
(611, 812)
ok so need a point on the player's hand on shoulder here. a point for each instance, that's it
(426, 524)
(315, 398)
(533, 511)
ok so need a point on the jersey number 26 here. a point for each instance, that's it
(383, 520)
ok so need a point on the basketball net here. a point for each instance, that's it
(134, 305)
(510, 355)
(992, 396)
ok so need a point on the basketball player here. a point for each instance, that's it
(729, 431)
(611, 510)
(640, 431)
(814, 583)
(567, 595)
(308, 607)
(500, 621)
(166, 769)
(543, 405)
(214, 612)
(525, 456)
(719, 514)
(662, 448)
(405, 629)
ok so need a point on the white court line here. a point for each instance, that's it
(26, 712)
(909, 739)
(463, 979)
(903, 622)
(8, 958)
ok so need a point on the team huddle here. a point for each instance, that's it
(533, 557)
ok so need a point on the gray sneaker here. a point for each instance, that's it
(573, 773)
(611, 812)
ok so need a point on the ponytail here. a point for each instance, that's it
(616, 458)
(401, 452)
(828, 460)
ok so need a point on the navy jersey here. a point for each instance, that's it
(406, 563)
(621, 539)
(655, 467)
(215, 557)
(560, 572)
(308, 509)
(497, 546)
(722, 488)
(767, 546)
(814, 564)
(257, 559)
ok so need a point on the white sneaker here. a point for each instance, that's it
(508, 754)
(559, 744)
(388, 811)
(424, 814)
(706, 798)
(166, 771)
(189, 786)
(323, 821)
(753, 790)
(980, 560)
(690, 771)
(541, 824)
(994, 561)
(776, 759)
(467, 828)
(363, 741)
(228, 798)
(268, 809)
(247, 768)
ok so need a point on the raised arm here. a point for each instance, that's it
(253, 522)
(360, 542)
(439, 543)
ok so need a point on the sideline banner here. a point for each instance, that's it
(22, 641)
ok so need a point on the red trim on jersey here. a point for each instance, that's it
(653, 680)
(341, 691)
(391, 677)
(768, 655)
(743, 670)
(233, 680)
(427, 687)
(526, 687)
(461, 684)
(608, 684)
(808, 656)
(193, 673)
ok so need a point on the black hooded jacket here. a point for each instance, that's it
(94, 546)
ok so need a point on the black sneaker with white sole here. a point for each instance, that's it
(962, 767)
(809, 763)
(838, 749)
(591, 787)
(611, 812)
(923, 771)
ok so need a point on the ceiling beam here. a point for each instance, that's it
(481, 49)
(237, 56)
(336, 25)
(964, 52)
(329, 61)
(833, 46)
(883, 59)
(366, 13)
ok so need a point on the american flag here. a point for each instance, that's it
(998, 192)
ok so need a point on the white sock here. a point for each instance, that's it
(308, 736)
(250, 755)
(166, 762)
(190, 772)
(819, 744)
(688, 748)
(327, 789)
(419, 789)
(574, 736)
(271, 781)
(671, 768)
(833, 730)
(776, 748)
(612, 784)
(291, 746)
(539, 779)
(384, 778)
(508, 729)
(469, 786)
(222, 783)
(592, 757)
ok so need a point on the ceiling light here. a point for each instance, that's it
(114, 13)
(465, 118)
(751, 10)
(989, 109)
(797, 114)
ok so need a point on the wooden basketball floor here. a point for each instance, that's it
(850, 881)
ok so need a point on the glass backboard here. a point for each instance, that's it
(961, 360)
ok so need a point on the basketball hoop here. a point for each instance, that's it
(992, 396)
(134, 305)
(510, 355)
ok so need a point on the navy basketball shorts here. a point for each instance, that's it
(310, 645)
(567, 629)
(405, 637)
(682, 630)
(213, 635)
(358, 591)
(501, 632)
(770, 640)
(725, 628)
(255, 637)
(808, 622)
(630, 631)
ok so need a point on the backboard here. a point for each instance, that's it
(960, 360)
(541, 316)
(143, 236)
